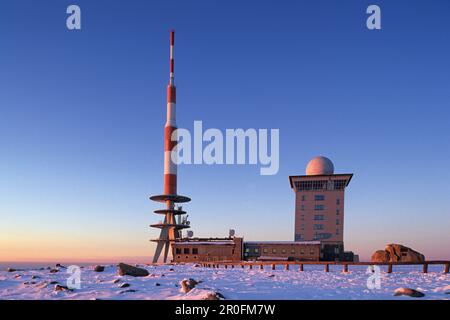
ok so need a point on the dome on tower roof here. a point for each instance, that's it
(319, 166)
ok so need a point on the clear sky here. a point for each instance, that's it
(82, 116)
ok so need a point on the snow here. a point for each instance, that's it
(237, 283)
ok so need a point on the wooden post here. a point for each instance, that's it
(261, 267)
(425, 268)
(251, 266)
(389, 268)
(446, 267)
(242, 266)
(345, 268)
(327, 267)
(300, 267)
(286, 267)
(273, 266)
(232, 266)
(226, 267)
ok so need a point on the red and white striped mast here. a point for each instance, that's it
(170, 227)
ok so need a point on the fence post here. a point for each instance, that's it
(273, 266)
(390, 268)
(286, 267)
(345, 268)
(425, 268)
(446, 267)
(242, 266)
(327, 267)
(261, 267)
(232, 266)
(251, 266)
(300, 267)
(226, 267)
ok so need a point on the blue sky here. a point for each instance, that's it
(82, 116)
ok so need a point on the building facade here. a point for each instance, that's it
(319, 207)
(282, 250)
(208, 249)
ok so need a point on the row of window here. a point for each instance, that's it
(320, 208)
(186, 251)
(321, 197)
(283, 251)
(320, 185)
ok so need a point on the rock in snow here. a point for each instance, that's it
(127, 270)
(397, 253)
(99, 268)
(408, 292)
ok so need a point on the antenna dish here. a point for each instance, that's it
(231, 233)
(190, 234)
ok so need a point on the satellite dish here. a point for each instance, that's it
(232, 232)
(190, 234)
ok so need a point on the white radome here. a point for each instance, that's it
(319, 166)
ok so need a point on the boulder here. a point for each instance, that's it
(408, 292)
(380, 256)
(397, 253)
(400, 253)
(99, 268)
(59, 287)
(11, 270)
(188, 284)
(127, 270)
(213, 296)
(124, 285)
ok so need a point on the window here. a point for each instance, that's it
(302, 217)
(303, 226)
(274, 250)
(178, 251)
(247, 250)
(303, 198)
(318, 227)
(292, 251)
(283, 250)
(302, 251)
(319, 207)
(265, 250)
(338, 201)
(337, 212)
(195, 251)
(256, 250)
(186, 251)
(319, 197)
(337, 232)
(311, 251)
(337, 221)
(339, 184)
(319, 217)
(320, 236)
(298, 237)
(303, 207)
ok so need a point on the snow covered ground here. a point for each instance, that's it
(164, 283)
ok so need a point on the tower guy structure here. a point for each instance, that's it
(175, 219)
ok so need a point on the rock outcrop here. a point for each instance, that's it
(397, 253)
(99, 268)
(127, 270)
(408, 292)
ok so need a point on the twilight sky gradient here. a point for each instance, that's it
(82, 116)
